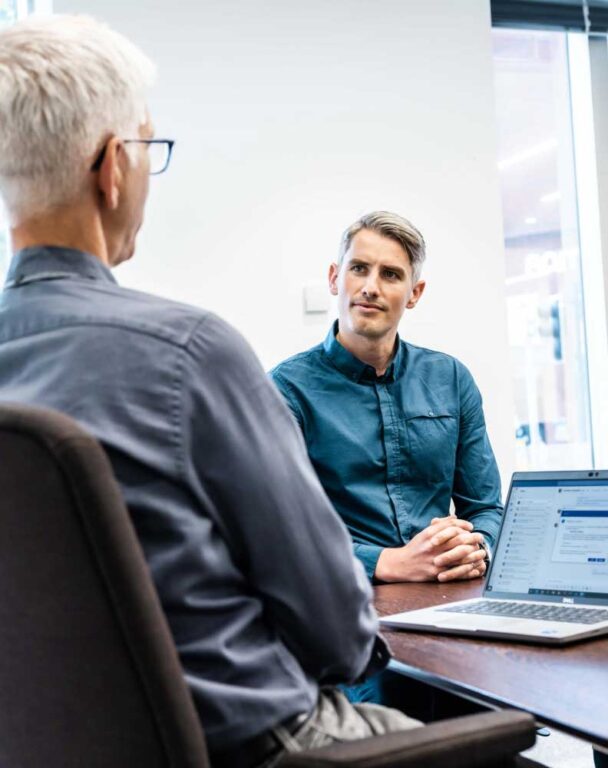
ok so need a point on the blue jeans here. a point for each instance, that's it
(368, 692)
(413, 697)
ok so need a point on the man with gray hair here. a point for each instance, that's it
(395, 432)
(238, 534)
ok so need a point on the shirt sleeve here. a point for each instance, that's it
(292, 402)
(250, 460)
(368, 554)
(476, 492)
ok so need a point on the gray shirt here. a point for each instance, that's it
(253, 567)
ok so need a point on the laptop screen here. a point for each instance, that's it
(553, 543)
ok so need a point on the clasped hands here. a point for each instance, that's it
(447, 550)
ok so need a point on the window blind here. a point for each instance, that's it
(550, 14)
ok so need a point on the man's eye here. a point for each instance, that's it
(357, 268)
(391, 275)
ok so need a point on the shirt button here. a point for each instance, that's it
(431, 413)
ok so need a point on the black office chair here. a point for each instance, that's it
(89, 676)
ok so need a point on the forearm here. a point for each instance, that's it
(476, 489)
(487, 522)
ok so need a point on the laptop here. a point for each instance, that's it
(548, 579)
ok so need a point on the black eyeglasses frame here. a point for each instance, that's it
(168, 142)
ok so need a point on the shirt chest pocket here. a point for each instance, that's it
(432, 441)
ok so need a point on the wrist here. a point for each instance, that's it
(395, 564)
(385, 566)
(483, 544)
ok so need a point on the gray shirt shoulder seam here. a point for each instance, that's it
(178, 393)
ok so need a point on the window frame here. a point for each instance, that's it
(588, 61)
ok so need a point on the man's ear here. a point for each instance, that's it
(417, 292)
(110, 174)
(333, 277)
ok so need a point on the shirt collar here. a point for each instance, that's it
(356, 369)
(47, 262)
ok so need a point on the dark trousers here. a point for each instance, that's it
(600, 759)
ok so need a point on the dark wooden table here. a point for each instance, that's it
(563, 687)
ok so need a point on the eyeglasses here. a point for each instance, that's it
(159, 151)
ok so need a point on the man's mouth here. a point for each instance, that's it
(368, 306)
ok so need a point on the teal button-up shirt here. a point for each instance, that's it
(392, 450)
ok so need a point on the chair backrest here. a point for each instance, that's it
(89, 675)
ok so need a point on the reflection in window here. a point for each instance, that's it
(8, 11)
(543, 283)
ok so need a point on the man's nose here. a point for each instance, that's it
(370, 287)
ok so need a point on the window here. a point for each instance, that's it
(544, 285)
(8, 11)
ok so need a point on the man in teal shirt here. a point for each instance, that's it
(395, 432)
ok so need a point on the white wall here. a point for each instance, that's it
(291, 119)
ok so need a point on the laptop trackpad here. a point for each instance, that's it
(471, 623)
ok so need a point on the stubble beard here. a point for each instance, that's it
(368, 330)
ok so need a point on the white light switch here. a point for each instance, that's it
(316, 298)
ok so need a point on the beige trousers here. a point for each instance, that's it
(335, 719)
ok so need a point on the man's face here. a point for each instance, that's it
(374, 286)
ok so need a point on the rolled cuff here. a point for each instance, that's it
(490, 539)
(487, 523)
(368, 554)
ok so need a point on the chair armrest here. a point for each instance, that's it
(464, 742)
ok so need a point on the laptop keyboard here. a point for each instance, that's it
(549, 612)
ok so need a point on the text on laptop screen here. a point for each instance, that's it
(554, 540)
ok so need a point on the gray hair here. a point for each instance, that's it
(396, 228)
(66, 84)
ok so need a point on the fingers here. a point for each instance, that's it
(463, 572)
(441, 522)
(462, 554)
(465, 536)
(474, 557)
